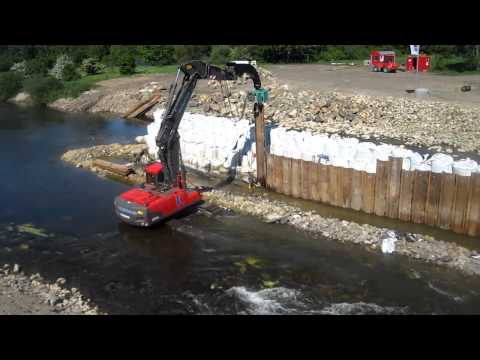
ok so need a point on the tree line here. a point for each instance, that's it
(116, 55)
(49, 72)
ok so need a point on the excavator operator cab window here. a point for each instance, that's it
(160, 177)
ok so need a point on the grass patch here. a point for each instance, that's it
(73, 89)
(347, 62)
(453, 66)
(165, 69)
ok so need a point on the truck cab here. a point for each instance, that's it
(383, 61)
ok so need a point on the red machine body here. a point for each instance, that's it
(150, 204)
(383, 61)
(423, 63)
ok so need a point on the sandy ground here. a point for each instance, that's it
(360, 80)
(344, 78)
(14, 302)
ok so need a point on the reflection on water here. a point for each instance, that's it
(205, 263)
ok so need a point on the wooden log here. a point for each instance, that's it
(324, 183)
(419, 199)
(472, 223)
(462, 184)
(347, 188)
(315, 181)
(143, 107)
(433, 199)
(260, 146)
(287, 176)
(394, 183)
(383, 168)
(406, 195)
(357, 190)
(112, 167)
(368, 197)
(306, 180)
(296, 178)
(447, 198)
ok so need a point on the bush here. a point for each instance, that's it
(243, 53)
(91, 66)
(438, 63)
(220, 54)
(119, 53)
(5, 64)
(127, 65)
(74, 89)
(156, 54)
(192, 52)
(70, 73)
(19, 67)
(58, 70)
(332, 53)
(43, 89)
(36, 67)
(10, 85)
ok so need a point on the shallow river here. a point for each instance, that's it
(207, 263)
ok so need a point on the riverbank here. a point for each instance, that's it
(434, 125)
(417, 246)
(22, 294)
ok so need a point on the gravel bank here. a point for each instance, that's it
(21, 294)
(436, 125)
(417, 246)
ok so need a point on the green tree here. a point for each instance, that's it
(220, 54)
(127, 64)
(37, 66)
(156, 54)
(10, 85)
(5, 63)
(92, 66)
(70, 73)
(43, 89)
(192, 52)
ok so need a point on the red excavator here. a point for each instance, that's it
(165, 192)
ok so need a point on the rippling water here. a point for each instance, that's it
(206, 263)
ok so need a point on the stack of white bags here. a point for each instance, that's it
(218, 144)
(207, 142)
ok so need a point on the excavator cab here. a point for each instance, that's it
(154, 174)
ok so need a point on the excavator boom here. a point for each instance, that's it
(168, 140)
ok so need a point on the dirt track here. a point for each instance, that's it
(359, 79)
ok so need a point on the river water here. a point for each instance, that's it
(211, 262)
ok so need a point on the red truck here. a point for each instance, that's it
(383, 61)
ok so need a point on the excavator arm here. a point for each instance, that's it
(168, 139)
